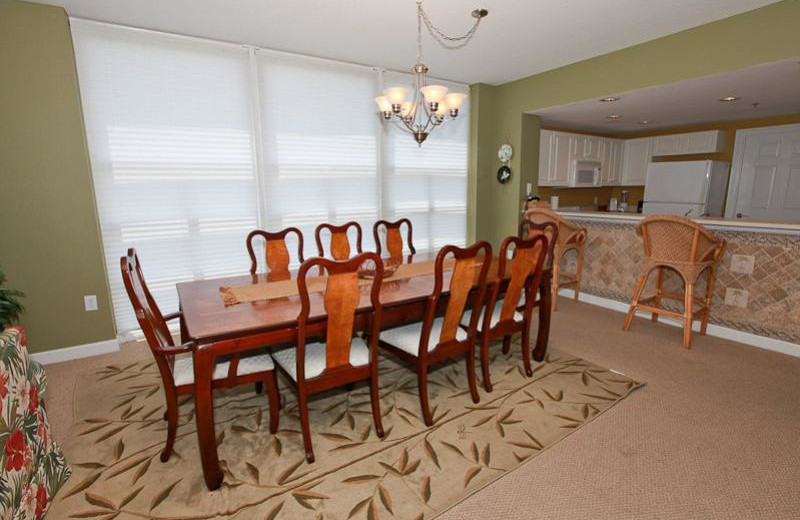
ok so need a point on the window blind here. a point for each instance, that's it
(194, 143)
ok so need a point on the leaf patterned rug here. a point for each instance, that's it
(414, 472)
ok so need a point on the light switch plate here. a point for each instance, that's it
(90, 302)
(736, 297)
(743, 264)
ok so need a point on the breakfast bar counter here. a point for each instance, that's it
(763, 298)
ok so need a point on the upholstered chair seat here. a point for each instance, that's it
(316, 358)
(183, 370)
(406, 338)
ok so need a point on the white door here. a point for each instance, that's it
(767, 166)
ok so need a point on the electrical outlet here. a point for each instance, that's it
(736, 297)
(90, 302)
(743, 264)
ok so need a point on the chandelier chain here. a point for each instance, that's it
(443, 39)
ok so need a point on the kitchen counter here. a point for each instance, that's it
(722, 224)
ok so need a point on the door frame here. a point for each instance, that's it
(738, 161)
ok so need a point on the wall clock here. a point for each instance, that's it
(504, 154)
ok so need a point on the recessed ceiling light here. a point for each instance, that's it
(645, 122)
(613, 117)
(610, 99)
(729, 99)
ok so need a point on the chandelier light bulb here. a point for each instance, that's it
(434, 93)
(396, 95)
(454, 100)
(383, 104)
(407, 109)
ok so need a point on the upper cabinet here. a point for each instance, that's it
(612, 162)
(711, 141)
(590, 147)
(636, 158)
(556, 151)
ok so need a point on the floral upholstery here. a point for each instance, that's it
(32, 467)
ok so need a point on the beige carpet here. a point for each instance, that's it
(713, 434)
(413, 472)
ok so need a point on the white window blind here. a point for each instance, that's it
(194, 143)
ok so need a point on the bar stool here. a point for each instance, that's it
(570, 237)
(686, 247)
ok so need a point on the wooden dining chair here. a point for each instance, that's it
(571, 237)
(394, 239)
(340, 248)
(505, 318)
(276, 253)
(343, 357)
(177, 373)
(437, 339)
(688, 249)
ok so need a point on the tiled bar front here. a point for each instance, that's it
(614, 260)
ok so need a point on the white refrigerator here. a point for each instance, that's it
(688, 188)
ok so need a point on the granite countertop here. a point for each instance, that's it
(726, 224)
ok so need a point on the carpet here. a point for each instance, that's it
(414, 472)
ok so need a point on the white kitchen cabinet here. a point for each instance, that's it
(590, 147)
(611, 173)
(556, 152)
(637, 155)
(710, 141)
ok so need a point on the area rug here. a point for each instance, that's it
(412, 473)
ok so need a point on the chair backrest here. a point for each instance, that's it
(341, 298)
(526, 274)
(470, 268)
(276, 252)
(144, 306)
(676, 239)
(548, 228)
(568, 232)
(394, 239)
(339, 243)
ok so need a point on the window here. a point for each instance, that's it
(194, 143)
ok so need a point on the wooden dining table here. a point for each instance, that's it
(218, 329)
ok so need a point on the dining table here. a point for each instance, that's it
(218, 327)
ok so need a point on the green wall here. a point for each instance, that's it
(49, 239)
(768, 34)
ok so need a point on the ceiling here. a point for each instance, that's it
(517, 39)
(774, 86)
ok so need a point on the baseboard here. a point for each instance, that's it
(77, 352)
(776, 345)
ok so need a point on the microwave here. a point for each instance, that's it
(585, 174)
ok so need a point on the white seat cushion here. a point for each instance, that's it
(315, 358)
(406, 338)
(495, 315)
(183, 371)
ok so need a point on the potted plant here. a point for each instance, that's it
(10, 306)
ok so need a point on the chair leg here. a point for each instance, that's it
(471, 378)
(506, 344)
(659, 291)
(709, 295)
(302, 405)
(687, 326)
(635, 302)
(485, 341)
(556, 277)
(422, 376)
(172, 423)
(578, 271)
(376, 402)
(526, 349)
(271, 384)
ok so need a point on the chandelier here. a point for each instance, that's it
(428, 105)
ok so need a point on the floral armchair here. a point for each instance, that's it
(32, 467)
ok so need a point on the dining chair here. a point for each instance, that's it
(343, 357)
(687, 248)
(177, 372)
(506, 318)
(339, 242)
(571, 237)
(394, 239)
(276, 252)
(437, 339)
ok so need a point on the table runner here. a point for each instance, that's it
(286, 288)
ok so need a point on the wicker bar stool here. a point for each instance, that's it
(570, 237)
(686, 247)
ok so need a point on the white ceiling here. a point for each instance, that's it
(517, 39)
(774, 86)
